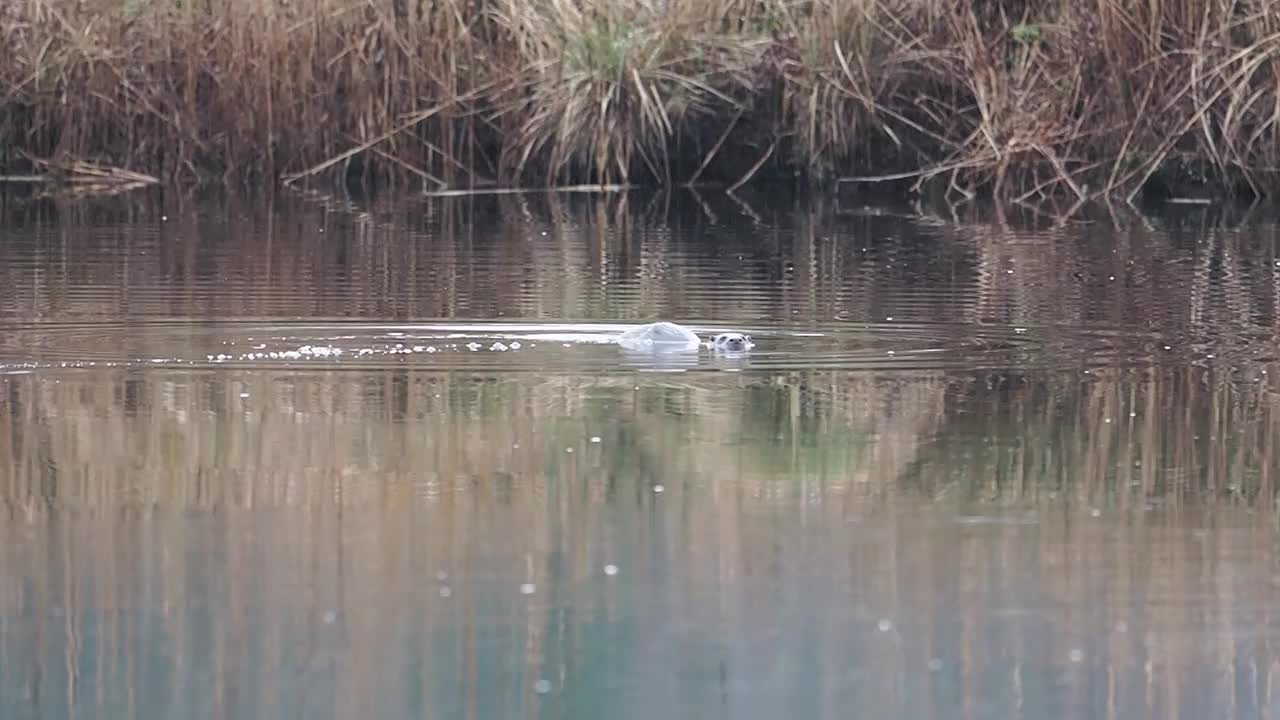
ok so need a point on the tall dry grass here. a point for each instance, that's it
(1017, 99)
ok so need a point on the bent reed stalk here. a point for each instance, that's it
(1018, 100)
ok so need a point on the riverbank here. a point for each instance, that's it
(1013, 100)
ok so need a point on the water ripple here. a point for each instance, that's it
(567, 346)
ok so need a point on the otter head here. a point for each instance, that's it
(732, 342)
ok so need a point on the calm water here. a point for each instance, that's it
(310, 458)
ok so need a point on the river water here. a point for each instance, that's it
(304, 456)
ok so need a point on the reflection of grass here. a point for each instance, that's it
(1016, 444)
(1118, 442)
(359, 489)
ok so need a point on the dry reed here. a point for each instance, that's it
(1019, 100)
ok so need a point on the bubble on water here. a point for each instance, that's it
(658, 488)
(473, 346)
(610, 569)
(419, 348)
(1076, 655)
(1095, 513)
(515, 345)
(542, 687)
(244, 395)
(885, 625)
(330, 617)
(446, 592)
(498, 347)
(441, 575)
(1122, 627)
(595, 438)
(528, 589)
(935, 664)
(568, 450)
(1107, 420)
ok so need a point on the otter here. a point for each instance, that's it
(670, 337)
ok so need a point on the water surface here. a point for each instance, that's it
(303, 457)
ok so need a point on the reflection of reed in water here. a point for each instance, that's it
(348, 543)
(171, 544)
(632, 259)
(1203, 290)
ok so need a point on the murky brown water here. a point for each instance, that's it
(302, 458)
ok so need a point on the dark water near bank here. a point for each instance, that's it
(308, 458)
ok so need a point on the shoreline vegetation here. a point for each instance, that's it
(1011, 101)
